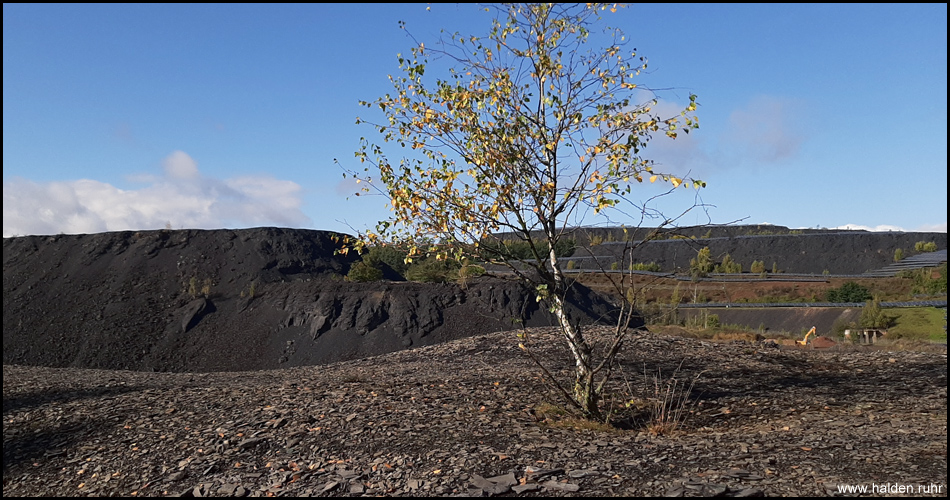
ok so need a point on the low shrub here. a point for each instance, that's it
(925, 246)
(432, 270)
(645, 266)
(849, 292)
(363, 272)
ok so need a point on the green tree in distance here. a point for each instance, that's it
(529, 130)
(728, 266)
(873, 316)
(757, 267)
(702, 264)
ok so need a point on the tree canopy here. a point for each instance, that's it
(531, 128)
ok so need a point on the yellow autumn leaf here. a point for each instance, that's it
(652, 178)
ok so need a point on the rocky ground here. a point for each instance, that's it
(467, 417)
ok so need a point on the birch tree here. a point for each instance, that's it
(529, 130)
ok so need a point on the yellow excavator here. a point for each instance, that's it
(804, 341)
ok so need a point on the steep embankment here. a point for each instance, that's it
(846, 252)
(791, 320)
(194, 300)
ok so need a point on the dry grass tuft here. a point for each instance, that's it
(670, 403)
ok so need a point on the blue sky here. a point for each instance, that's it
(123, 117)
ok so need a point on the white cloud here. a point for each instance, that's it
(766, 130)
(179, 165)
(182, 197)
(932, 228)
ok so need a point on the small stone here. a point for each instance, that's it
(540, 473)
(487, 486)
(250, 443)
(348, 474)
(676, 491)
(749, 492)
(714, 490)
(523, 488)
(555, 485)
(227, 489)
(505, 480)
(177, 476)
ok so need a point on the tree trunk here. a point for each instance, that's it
(584, 392)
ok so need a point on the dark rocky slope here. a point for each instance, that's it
(834, 252)
(194, 300)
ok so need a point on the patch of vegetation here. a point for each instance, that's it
(467, 271)
(703, 321)
(670, 403)
(198, 288)
(364, 272)
(392, 256)
(374, 260)
(728, 266)
(928, 281)
(849, 292)
(644, 266)
(925, 246)
(873, 316)
(432, 270)
(757, 267)
(918, 323)
(702, 265)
